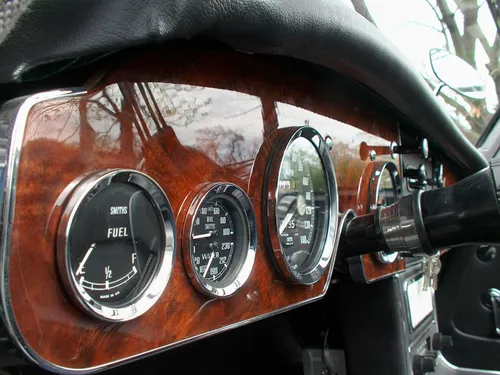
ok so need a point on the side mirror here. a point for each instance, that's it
(457, 74)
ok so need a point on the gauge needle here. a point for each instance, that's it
(209, 263)
(84, 260)
(285, 221)
(205, 235)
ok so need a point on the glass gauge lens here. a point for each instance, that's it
(387, 192)
(116, 244)
(214, 238)
(302, 208)
(117, 237)
(220, 239)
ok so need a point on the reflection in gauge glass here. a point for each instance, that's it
(387, 191)
(305, 216)
(302, 203)
(116, 244)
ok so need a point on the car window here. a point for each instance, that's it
(463, 27)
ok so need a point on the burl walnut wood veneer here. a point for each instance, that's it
(184, 116)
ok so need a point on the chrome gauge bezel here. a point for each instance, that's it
(159, 280)
(376, 171)
(326, 246)
(237, 277)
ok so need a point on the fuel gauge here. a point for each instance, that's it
(116, 244)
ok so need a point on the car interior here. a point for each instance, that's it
(250, 187)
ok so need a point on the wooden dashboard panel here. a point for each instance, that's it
(185, 117)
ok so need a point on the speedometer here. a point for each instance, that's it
(302, 206)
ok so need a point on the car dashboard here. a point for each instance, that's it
(176, 167)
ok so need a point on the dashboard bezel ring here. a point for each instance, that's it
(156, 285)
(245, 265)
(375, 170)
(270, 192)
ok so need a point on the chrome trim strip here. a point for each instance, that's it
(14, 145)
(16, 133)
(443, 367)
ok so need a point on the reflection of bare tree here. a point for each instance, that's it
(227, 147)
(348, 169)
(136, 121)
(177, 103)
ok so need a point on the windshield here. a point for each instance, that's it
(463, 27)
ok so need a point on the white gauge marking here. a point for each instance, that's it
(285, 221)
(209, 263)
(108, 285)
(204, 235)
(80, 270)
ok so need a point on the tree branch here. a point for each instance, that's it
(448, 19)
(441, 22)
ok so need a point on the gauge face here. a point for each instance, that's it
(305, 213)
(119, 239)
(214, 239)
(116, 242)
(302, 214)
(219, 250)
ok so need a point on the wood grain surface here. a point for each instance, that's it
(184, 116)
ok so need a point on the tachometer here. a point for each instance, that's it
(220, 239)
(301, 206)
(116, 244)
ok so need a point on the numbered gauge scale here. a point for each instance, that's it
(116, 244)
(219, 239)
(301, 205)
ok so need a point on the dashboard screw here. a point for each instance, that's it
(373, 155)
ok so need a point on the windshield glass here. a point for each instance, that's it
(463, 27)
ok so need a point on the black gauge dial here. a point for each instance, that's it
(301, 205)
(214, 239)
(118, 240)
(220, 239)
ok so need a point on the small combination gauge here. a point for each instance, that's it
(219, 239)
(116, 244)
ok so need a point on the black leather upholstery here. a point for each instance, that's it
(324, 32)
